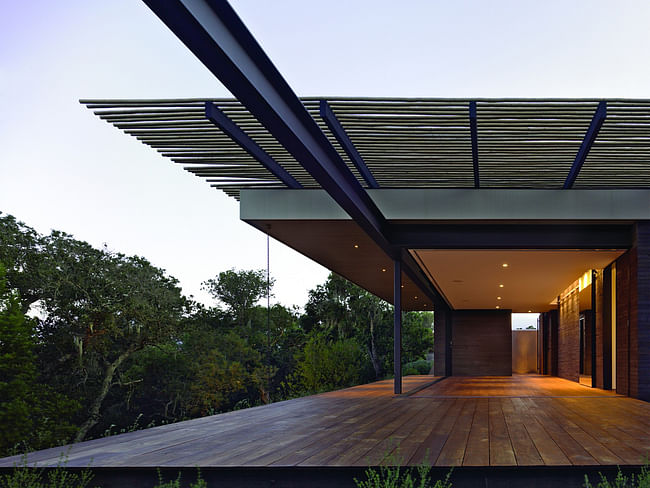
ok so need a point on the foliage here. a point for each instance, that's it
(623, 481)
(115, 346)
(24, 476)
(421, 366)
(31, 414)
(329, 365)
(391, 474)
(239, 291)
(176, 483)
(339, 309)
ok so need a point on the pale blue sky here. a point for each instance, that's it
(61, 167)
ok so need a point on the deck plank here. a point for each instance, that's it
(526, 420)
(477, 452)
(453, 451)
(548, 450)
(501, 451)
(526, 453)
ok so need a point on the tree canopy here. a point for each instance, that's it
(113, 345)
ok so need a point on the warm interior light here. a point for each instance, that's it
(505, 265)
(356, 246)
(497, 307)
(498, 298)
(530, 311)
(402, 286)
(584, 281)
(416, 297)
(383, 270)
(500, 286)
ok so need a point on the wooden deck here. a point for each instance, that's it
(489, 421)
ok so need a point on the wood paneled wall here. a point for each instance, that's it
(482, 343)
(633, 317)
(568, 364)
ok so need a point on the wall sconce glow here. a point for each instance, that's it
(584, 281)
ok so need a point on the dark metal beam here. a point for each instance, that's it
(397, 326)
(513, 236)
(474, 136)
(232, 130)
(220, 40)
(587, 142)
(344, 140)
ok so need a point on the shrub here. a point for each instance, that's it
(421, 366)
(623, 481)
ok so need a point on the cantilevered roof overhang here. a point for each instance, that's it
(421, 161)
(460, 238)
(270, 138)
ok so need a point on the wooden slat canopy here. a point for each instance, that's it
(408, 142)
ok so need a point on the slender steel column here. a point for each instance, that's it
(397, 338)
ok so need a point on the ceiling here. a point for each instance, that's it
(471, 279)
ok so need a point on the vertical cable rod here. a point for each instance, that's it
(268, 316)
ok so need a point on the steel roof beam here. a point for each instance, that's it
(232, 130)
(219, 39)
(344, 140)
(474, 136)
(587, 142)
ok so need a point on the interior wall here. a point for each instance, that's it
(568, 347)
(624, 284)
(439, 342)
(481, 343)
(524, 351)
(633, 316)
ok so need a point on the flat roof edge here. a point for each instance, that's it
(423, 204)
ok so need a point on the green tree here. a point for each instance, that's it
(100, 308)
(26, 266)
(329, 365)
(239, 291)
(339, 309)
(31, 414)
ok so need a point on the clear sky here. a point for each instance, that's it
(62, 168)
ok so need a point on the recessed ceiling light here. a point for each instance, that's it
(356, 246)
(402, 286)
(416, 297)
(501, 286)
(505, 265)
(498, 298)
(497, 307)
(530, 311)
(383, 270)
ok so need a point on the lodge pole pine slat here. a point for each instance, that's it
(407, 140)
